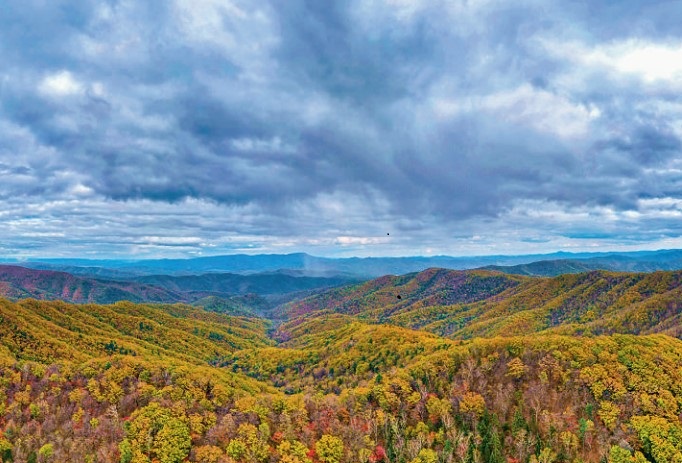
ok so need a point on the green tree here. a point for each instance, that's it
(609, 413)
(470, 456)
(249, 446)
(45, 452)
(426, 456)
(620, 455)
(172, 442)
(329, 449)
(293, 452)
(491, 445)
(5, 450)
(126, 451)
(155, 433)
(547, 455)
(661, 439)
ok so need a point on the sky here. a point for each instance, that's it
(370, 128)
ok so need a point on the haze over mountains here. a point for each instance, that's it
(275, 279)
(305, 264)
(18, 282)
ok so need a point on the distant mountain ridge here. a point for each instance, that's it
(20, 282)
(633, 262)
(235, 284)
(301, 264)
(547, 267)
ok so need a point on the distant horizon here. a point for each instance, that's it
(8, 259)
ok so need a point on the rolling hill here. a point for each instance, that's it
(466, 304)
(19, 282)
(549, 268)
(235, 284)
(644, 261)
(249, 305)
(50, 331)
(384, 297)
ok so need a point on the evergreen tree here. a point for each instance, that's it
(491, 445)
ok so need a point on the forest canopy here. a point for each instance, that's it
(171, 383)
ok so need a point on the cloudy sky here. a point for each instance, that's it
(198, 127)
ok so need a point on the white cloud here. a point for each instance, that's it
(272, 145)
(203, 20)
(543, 110)
(358, 240)
(98, 90)
(539, 109)
(172, 240)
(243, 33)
(649, 61)
(60, 84)
(81, 190)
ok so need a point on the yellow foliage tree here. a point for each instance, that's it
(472, 402)
(329, 449)
(516, 368)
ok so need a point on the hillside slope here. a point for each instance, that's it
(235, 284)
(340, 383)
(383, 298)
(548, 268)
(51, 331)
(20, 282)
(72, 375)
(543, 397)
(171, 383)
(466, 304)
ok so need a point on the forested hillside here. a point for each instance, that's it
(532, 370)
(231, 283)
(467, 304)
(19, 282)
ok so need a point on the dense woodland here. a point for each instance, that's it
(435, 367)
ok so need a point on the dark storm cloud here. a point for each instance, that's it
(431, 115)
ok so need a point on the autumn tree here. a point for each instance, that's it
(329, 449)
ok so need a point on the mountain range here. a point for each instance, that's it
(18, 282)
(306, 265)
